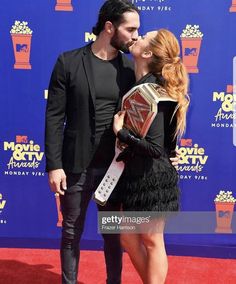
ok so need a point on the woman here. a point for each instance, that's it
(149, 182)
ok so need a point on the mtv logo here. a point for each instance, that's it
(22, 47)
(229, 89)
(186, 142)
(190, 51)
(21, 139)
(224, 214)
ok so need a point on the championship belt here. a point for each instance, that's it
(141, 106)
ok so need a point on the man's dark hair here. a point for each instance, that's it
(113, 10)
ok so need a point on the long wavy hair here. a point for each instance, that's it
(167, 63)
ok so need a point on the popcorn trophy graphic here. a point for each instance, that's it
(21, 36)
(224, 204)
(191, 39)
(233, 6)
(64, 5)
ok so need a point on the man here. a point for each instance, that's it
(84, 94)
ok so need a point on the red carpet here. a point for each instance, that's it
(31, 266)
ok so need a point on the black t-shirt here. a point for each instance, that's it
(107, 88)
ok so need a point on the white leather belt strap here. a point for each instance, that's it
(109, 181)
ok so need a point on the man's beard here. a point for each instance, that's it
(119, 45)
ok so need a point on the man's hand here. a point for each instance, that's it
(57, 181)
(175, 160)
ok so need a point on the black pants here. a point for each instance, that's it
(74, 204)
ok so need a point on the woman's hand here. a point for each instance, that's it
(175, 160)
(118, 121)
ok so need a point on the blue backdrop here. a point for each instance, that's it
(206, 33)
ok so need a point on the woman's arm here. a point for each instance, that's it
(152, 145)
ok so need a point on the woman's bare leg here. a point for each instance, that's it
(156, 263)
(134, 247)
